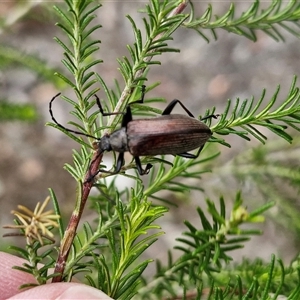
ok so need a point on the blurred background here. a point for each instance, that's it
(202, 75)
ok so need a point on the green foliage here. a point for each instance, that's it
(175, 179)
(204, 253)
(39, 263)
(20, 112)
(12, 57)
(244, 115)
(251, 21)
(75, 60)
(116, 276)
(109, 252)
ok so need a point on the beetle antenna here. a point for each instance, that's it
(65, 128)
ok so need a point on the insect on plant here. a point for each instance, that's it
(174, 134)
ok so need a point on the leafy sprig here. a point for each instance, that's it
(119, 277)
(204, 251)
(250, 21)
(176, 178)
(248, 115)
(79, 63)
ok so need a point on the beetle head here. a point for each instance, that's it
(104, 143)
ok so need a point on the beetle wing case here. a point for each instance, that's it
(167, 134)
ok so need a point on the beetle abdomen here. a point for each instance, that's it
(167, 134)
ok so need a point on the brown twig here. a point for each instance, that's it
(70, 232)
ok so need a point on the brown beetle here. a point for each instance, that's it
(174, 134)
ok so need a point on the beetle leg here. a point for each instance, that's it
(117, 170)
(139, 166)
(127, 117)
(190, 155)
(102, 111)
(120, 162)
(148, 167)
(199, 151)
(209, 117)
(170, 107)
(92, 176)
(142, 96)
(187, 155)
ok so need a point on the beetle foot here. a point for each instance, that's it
(89, 179)
(210, 116)
(148, 167)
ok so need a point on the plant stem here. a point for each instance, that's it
(70, 232)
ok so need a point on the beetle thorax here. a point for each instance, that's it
(118, 140)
